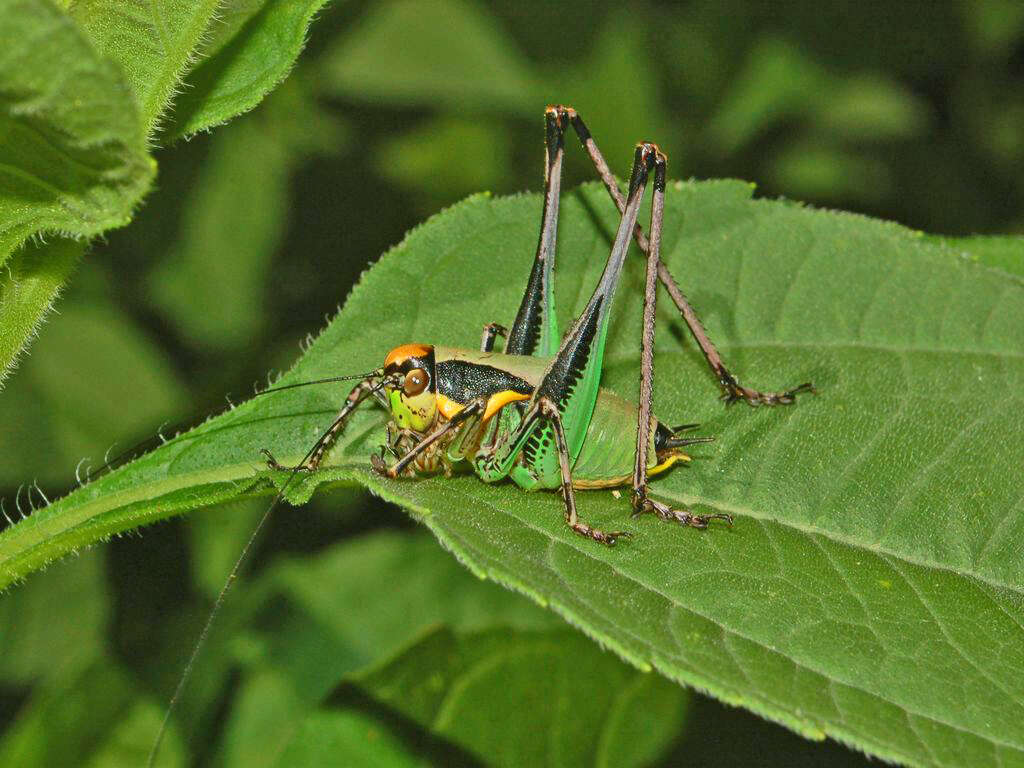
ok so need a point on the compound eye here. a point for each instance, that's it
(415, 382)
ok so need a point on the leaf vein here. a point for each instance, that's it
(580, 549)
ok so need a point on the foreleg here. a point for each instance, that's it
(364, 389)
(461, 420)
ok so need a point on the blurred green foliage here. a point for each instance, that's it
(911, 111)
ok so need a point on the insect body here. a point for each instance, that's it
(439, 383)
(536, 414)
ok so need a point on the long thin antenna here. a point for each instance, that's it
(330, 380)
(235, 569)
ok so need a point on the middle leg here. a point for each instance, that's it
(548, 410)
(491, 330)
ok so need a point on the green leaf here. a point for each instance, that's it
(29, 285)
(870, 589)
(777, 81)
(217, 537)
(444, 159)
(823, 171)
(211, 282)
(507, 698)
(1003, 251)
(72, 146)
(430, 52)
(871, 108)
(78, 101)
(153, 42)
(248, 52)
(350, 737)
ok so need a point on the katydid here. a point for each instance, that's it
(536, 414)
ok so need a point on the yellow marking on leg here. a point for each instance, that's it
(495, 403)
(448, 407)
(593, 483)
(499, 400)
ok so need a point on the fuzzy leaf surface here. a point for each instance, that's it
(72, 144)
(872, 588)
(29, 285)
(154, 43)
(248, 52)
(73, 159)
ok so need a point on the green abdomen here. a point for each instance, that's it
(610, 447)
(608, 452)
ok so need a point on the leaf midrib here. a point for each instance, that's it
(354, 470)
(82, 514)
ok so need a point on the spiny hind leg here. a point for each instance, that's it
(666, 447)
(535, 329)
(643, 503)
(572, 379)
(732, 390)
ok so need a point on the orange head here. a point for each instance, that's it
(413, 394)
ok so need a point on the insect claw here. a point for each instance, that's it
(616, 535)
(378, 465)
(273, 464)
(733, 391)
(608, 538)
(805, 387)
(681, 516)
(702, 521)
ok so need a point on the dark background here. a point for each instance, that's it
(910, 111)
